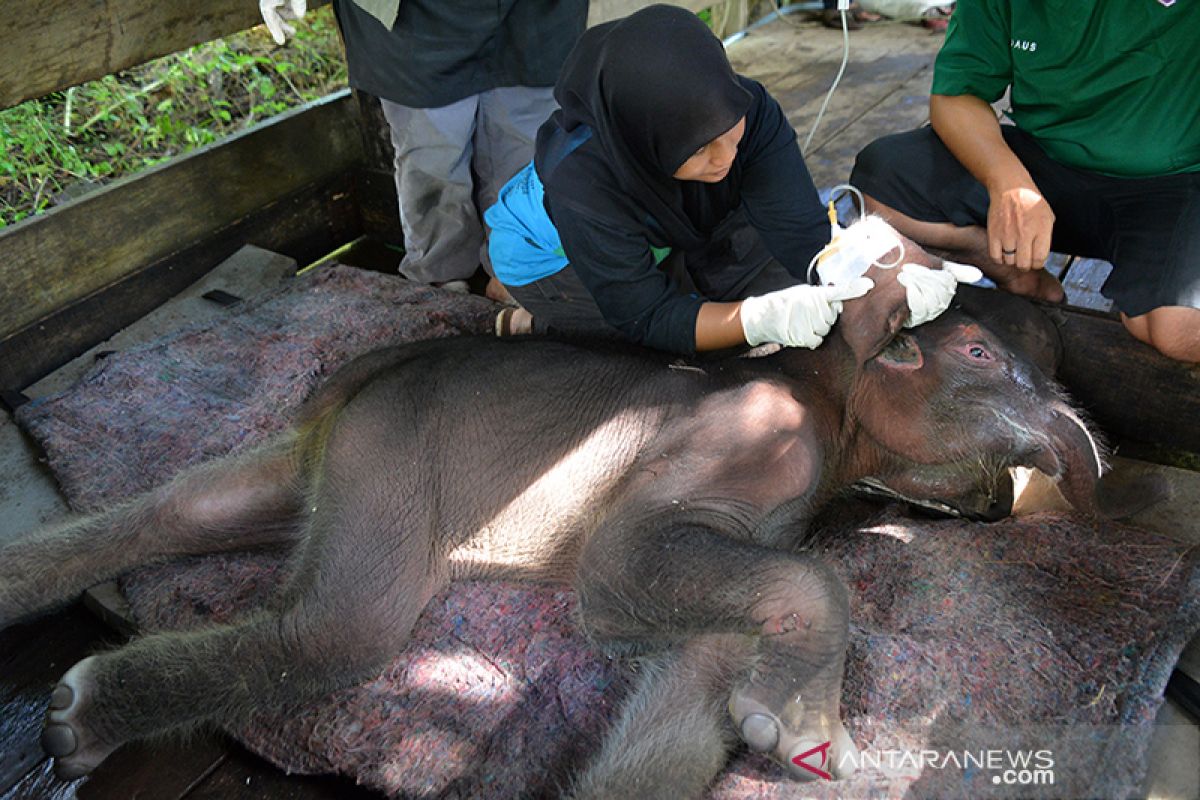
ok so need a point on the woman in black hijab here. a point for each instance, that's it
(659, 147)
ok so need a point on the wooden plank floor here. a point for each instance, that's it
(885, 89)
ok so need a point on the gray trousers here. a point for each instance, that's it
(451, 163)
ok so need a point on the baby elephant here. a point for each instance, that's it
(672, 497)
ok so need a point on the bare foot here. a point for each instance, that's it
(497, 292)
(76, 749)
(1035, 283)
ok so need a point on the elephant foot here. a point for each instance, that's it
(821, 749)
(787, 707)
(77, 749)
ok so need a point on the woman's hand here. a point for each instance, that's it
(276, 13)
(798, 316)
(930, 291)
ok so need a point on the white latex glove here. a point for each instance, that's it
(274, 12)
(798, 316)
(929, 291)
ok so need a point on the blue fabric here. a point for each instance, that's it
(523, 245)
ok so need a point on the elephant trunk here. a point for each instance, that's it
(1071, 455)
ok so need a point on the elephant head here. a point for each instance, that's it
(954, 407)
(941, 411)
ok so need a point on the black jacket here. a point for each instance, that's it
(440, 51)
(607, 236)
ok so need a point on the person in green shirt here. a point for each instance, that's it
(1103, 160)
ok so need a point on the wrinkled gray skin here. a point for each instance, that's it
(672, 498)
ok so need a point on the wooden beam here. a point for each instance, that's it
(1128, 388)
(50, 261)
(169, 770)
(375, 192)
(305, 225)
(52, 44)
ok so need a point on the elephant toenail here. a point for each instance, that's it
(760, 732)
(811, 760)
(58, 740)
(62, 697)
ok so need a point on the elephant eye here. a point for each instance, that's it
(978, 352)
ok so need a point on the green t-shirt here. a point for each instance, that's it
(1110, 86)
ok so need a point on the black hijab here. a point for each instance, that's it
(653, 88)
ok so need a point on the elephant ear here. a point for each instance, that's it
(869, 323)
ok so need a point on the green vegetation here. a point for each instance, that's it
(61, 145)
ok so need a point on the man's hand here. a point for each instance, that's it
(276, 12)
(1019, 227)
(1020, 220)
(798, 316)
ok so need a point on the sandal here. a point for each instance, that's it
(513, 322)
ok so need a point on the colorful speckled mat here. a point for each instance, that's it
(1047, 633)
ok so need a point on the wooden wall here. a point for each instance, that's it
(75, 249)
(55, 264)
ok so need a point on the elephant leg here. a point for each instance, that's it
(672, 736)
(359, 580)
(674, 576)
(234, 503)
